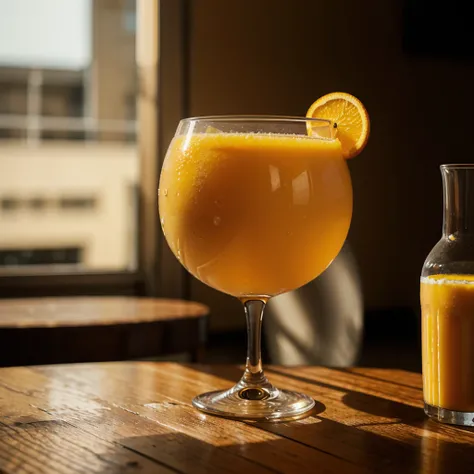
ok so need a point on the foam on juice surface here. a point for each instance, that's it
(448, 279)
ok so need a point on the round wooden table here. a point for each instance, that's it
(94, 329)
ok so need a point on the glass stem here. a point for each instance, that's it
(253, 371)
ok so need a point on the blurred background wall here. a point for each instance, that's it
(277, 57)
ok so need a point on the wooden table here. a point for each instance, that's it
(137, 417)
(94, 329)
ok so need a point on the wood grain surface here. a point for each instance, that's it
(90, 329)
(136, 417)
(94, 311)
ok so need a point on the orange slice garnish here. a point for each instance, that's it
(350, 119)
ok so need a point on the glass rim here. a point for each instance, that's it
(457, 166)
(257, 118)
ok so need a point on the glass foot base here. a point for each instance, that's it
(451, 417)
(254, 403)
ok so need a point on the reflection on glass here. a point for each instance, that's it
(301, 189)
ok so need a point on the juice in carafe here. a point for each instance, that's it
(447, 303)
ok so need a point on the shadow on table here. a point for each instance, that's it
(379, 434)
(317, 445)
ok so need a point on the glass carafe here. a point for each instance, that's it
(447, 303)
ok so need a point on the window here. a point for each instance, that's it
(68, 157)
(77, 215)
(57, 256)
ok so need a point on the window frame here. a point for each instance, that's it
(162, 61)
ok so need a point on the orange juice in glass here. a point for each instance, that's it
(254, 207)
(447, 304)
(255, 214)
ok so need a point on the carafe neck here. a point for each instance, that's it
(458, 187)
